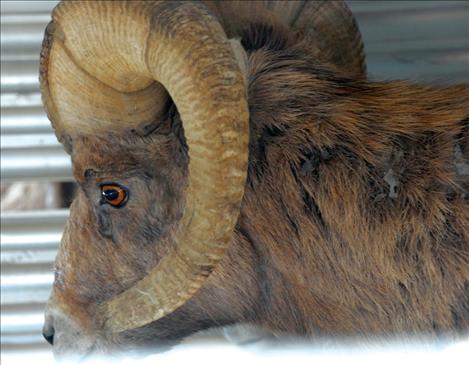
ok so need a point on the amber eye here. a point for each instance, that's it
(114, 195)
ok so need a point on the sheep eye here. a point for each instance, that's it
(114, 195)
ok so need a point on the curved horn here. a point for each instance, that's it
(129, 50)
(328, 26)
(331, 27)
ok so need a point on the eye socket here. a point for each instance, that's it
(114, 195)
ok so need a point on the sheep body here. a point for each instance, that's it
(356, 203)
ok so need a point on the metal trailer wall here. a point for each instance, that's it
(426, 41)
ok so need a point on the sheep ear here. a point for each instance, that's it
(241, 57)
(332, 32)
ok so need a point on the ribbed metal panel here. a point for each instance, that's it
(29, 148)
(29, 152)
(425, 41)
(29, 244)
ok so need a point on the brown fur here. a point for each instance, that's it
(355, 219)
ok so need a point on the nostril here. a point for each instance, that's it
(48, 334)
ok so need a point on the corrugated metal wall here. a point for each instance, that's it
(29, 152)
(28, 145)
(424, 41)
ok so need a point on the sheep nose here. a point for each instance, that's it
(48, 332)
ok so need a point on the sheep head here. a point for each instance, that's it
(127, 73)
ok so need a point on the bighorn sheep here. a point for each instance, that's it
(235, 165)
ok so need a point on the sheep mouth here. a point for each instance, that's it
(75, 357)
